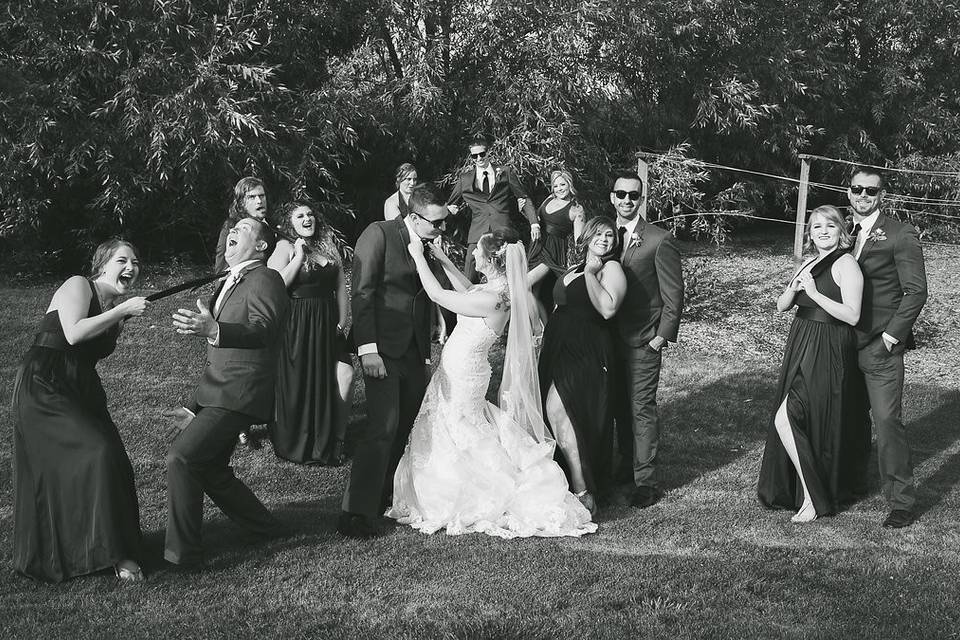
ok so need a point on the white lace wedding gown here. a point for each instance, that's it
(469, 468)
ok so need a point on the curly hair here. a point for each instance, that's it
(322, 243)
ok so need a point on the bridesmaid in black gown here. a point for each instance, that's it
(804, 461)
(315, 371)
(576, 361)
(75, 504)
(560, 217)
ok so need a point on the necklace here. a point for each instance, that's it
(104, 304)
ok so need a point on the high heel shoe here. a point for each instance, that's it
(586, 499)
(126, 574)
(807, 513)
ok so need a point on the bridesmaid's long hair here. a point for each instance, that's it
(323, 243)
(589, 230)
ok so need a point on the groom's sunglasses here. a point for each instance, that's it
(857, 189)
(633, 195)
(477, 156)
(436, 224)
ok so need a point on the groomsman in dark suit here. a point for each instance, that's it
(490, 192)
(242, 326)
(391, 327)
(648, 318)
(894, 292)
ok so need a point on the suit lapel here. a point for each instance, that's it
(870, 241)
(404, 241)
(236, 285)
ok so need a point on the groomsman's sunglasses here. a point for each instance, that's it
(633, 195)
(857, 189)
(477, 156)
(436, 224)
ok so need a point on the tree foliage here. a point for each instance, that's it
(140, 116)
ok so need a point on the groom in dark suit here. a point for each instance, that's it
(648, 318)
(490, 192)
(391, 327)
(894, 292)
(242, 326)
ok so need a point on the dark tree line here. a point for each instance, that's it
(138, 117)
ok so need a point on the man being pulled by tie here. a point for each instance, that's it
(242, 328)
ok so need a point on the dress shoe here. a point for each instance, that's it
(249, 440)
(354, 525)
(129, 573)
(898, 519)
(644, 497)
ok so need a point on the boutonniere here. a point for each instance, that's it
(497, 172)
(878, 235)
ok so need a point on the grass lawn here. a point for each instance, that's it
(706, 562)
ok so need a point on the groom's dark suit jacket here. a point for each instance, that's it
(491, 211)
(240, 371)
(894, 282)
(390, 307)
(654, 299)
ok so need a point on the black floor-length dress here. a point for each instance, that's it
(307, 391)
(75, 502)
(577, 356)
(818, 380)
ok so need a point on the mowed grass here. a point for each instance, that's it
(706, 562)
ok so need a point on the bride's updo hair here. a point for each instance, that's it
(494, 246)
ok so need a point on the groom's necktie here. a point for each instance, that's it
(486, 182)
(622, 232)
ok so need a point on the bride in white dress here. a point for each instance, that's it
(470, 466)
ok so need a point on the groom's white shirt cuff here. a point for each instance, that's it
(890, 338)
(367, 349)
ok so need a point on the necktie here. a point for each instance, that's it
(622, 232)
(486, 183)
(854, 235)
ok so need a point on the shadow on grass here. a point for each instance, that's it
(929, 436)
(226, 545)
(711, 427)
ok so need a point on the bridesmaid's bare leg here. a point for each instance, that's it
(785, 431)
(566, 438)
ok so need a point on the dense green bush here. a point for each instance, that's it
(139, 117)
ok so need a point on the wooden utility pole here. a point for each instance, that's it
(801, 207)
(643, 170)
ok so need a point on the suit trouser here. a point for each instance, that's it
(198, 462)
(392, 406)
(638, 423)
(883, 378)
